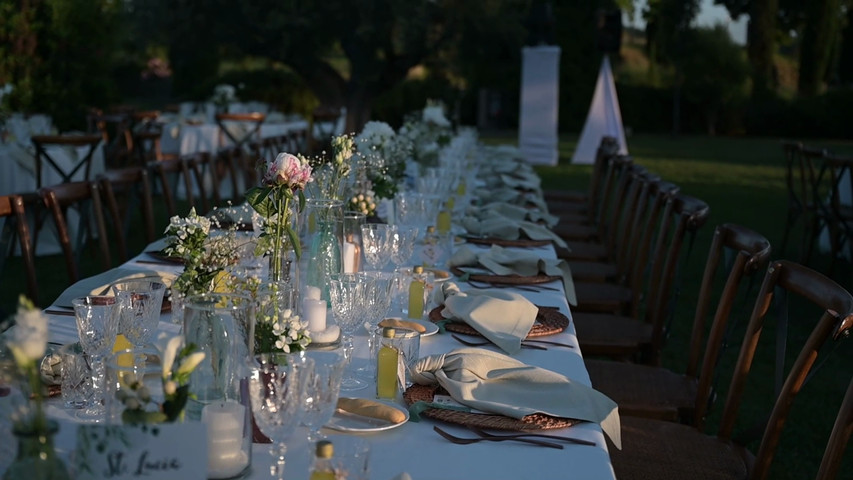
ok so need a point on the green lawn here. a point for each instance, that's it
(742, 179)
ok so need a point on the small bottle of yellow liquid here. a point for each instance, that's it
(461, 187)
(323, 468)
(416, 293)
(443, 222)
(386, 366)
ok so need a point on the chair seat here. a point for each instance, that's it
(585, 271)
(642, 390)
(666, 450)
(602, 297)
(607, 334)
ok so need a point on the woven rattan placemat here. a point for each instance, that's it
(536, 421)
(549, 321)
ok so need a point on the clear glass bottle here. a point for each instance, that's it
(416, 293)
(443, 222)
(434, 248)
(323, 469)
(387, 360)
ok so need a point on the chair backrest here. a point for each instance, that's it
(682, 216)
(614, 187)
(124, 192)
(115, 129)
(608, 148)
(146, 145)
(783, 279)
(239, 128)
(751, 253)
(838, 438)
(833, 198)
(203, 169)
(172, 174)
(84, 197)
(66, 172)
(13, 213)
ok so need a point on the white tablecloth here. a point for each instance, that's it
(183, 139)
(414, 447)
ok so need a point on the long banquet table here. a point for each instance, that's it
(414, 447)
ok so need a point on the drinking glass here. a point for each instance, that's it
(403, 245)
(277, 393)
(347, 294)
(352, 458)
(323, 388)
(375, 238)
(97, 325)
(140, 302)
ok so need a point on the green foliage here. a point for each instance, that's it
(714, 71)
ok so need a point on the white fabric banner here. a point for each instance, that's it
(604, 118)
(539, 109)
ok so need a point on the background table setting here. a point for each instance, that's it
(480, 332)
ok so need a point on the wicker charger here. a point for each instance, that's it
(163, 258)
(536, 421)
(549, 321)
(521, 242)
(513, 279)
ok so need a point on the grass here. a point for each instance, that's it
(742, 179)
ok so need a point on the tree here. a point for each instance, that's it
(349, 52)
(714, 71)
(820, 35)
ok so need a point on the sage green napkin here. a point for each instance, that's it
(505, 228)
(100, 283)
(526, 180)
(518, 213)
(495, 383)
(502, 261)
(503, 317)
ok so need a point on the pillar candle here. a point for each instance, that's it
(225, 425)
(314, 311)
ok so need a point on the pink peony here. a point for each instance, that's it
(289, 170)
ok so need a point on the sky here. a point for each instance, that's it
(709, 15)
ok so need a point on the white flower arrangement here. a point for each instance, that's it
(224, 94)
(204, 255)
(281, 331)
(27, 341)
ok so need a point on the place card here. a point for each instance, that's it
(164, 451)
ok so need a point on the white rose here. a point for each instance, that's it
(29, 338)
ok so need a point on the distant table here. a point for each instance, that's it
(185, 139)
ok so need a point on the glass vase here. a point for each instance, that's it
(37, 458)
(324, 232)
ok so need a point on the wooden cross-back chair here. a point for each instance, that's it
(115, 129)
(126, 191)
(577, 206)
(656, 392)
(237, 132)
(44, 159)
(662, 450)
(833, 191)
(802, 167)
(641, 333)
(85, 199)
(172, 176)
(14, 218)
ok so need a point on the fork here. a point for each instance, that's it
(485, 434)
(468, 441)
(482, 344)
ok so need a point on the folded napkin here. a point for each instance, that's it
(503, 317)
(25, 157)
(502, 261)
(369, 408)
(100, 283)
(518, 213)
(495, 383)
(498, 226)
(525, 180)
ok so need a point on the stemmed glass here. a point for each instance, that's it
(323, 388)
(277, 392)
(140, 302)
(97, 325)
(375, 239)
(403, 245)
(347, 295)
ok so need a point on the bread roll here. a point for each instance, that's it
(369, 408)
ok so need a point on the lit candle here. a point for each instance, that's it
(225, 424)
(315, 314)
(351, 254)
(313, 293)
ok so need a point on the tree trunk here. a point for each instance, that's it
(359, 105)
(761, 45)
(819, 37)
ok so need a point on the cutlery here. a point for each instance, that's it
(549, 342)
(481, 344)
(485, 434)
(484, 286)
(69, 313)
(467, 441)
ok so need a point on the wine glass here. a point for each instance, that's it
(403, 245)
(97, 326)
(140, 302)
(347, 296)
(323, 388)
(277, 393)
(375, 239)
